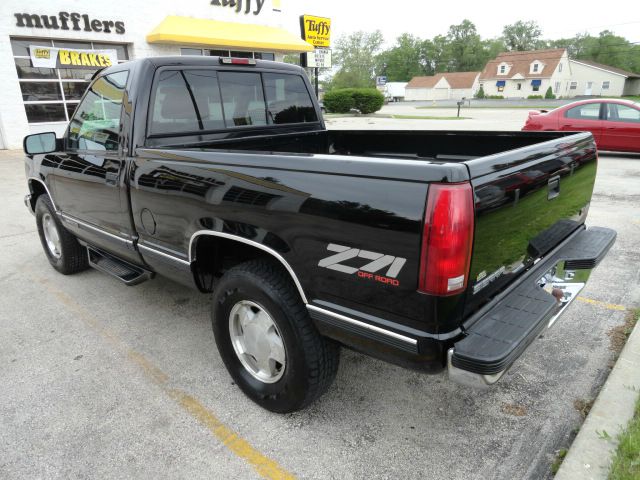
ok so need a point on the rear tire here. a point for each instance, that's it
(60, 246)
(298, 363)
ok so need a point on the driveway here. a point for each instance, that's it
(101, 380)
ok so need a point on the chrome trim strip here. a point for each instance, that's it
(55, 207)
(158, 252)
(72, 219)
(368, 326)
(253, 244)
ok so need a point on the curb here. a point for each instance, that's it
(590, 455)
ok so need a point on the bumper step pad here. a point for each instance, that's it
(498, 337)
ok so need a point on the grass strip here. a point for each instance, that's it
(626, 463)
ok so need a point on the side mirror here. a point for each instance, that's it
(40, 143)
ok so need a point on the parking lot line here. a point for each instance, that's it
(608, 306)
(263, 465)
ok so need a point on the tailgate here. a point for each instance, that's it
(527, 201)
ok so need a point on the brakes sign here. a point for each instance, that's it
(376, 262)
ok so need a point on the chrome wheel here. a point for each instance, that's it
(257, 341)
(51, 235)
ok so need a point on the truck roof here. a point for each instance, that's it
(202, 61)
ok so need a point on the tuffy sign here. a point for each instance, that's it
(51, 57)
(316, 30)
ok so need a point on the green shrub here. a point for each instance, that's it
(549, 94)
(366, 100)
(480, 93)
(495, 97)
(535, 97)
(339, 101)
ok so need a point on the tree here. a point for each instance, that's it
(405, 60)
(465, 48)
(522, 36)
(549, 94)
(355, 55)
(606, 48)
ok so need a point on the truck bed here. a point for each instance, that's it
(518, 218)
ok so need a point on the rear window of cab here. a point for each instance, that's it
(198, 100)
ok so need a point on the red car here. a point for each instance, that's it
(615, 124)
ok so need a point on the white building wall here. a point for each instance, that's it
(511, 85)
(585, 73)
(140, 17)
(511, 88)
(440, 91)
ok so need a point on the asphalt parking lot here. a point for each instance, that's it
(101, 380)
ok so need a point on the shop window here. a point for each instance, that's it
(535, 88)
(73, 90)
(605, 85)
(238, 54)
(217, 53)
(190, 51)
(64, 86)
(288, 100)
(501, 88)
(48, 112)
(40, 91)
(96, 122)
(264, 56)
(72, 45)
(120, 49)
(27, 72)
(226, 53)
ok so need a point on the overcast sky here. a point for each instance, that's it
(424, 18)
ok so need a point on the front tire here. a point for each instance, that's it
(267, 340)
(60, 246)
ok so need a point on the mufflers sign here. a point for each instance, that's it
(50, 57)
(68, 21)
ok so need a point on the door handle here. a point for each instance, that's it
(111, 178)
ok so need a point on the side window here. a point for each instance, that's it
(96, 122)
(186, 101)
(242, 99)
(288, 100)
(622, 113)
(590, 111)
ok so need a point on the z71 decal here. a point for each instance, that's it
(375, 263)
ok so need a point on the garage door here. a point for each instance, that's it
(441, 93)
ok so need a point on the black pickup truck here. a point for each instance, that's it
(432, 250)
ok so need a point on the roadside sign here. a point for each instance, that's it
(316, 30)
(380, 81)
(319, 58)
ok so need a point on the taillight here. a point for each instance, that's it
(237, 61)
(447, 239)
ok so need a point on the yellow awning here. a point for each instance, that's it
(212, 33)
